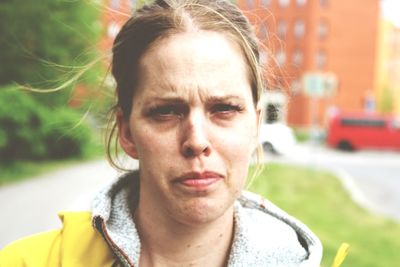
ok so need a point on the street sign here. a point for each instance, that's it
(316, 84)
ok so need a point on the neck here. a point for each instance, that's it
(166, 242)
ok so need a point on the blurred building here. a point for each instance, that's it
(116, 12)
(305, 36)
(319, 36)
(388, 69)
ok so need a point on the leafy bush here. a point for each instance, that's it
(65, 134)
(29, 130)
(20, 126)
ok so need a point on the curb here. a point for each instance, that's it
(347, 181)
(355, 193)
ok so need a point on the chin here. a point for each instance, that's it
(202, 211)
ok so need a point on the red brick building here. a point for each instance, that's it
(116, 12)
(336, 36)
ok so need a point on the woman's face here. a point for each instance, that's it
(193, 126)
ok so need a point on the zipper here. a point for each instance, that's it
(123, 258)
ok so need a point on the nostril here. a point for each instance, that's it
(188, 151)
(195, 140)
(206, 151)
(193, 151)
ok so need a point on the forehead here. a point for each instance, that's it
(197, 59)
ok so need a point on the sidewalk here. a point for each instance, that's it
(31, 206)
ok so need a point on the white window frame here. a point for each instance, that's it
(320, 59)
(297, 57)
(115, 4)
(299, 28)
(281, 28)
(250, 4)
(322, 29)
(281, 57)
(284, 3)
(265, 3)
(301, 2)
(296, 86)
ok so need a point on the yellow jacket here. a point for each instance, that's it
(76, 244)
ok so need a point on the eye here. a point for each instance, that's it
(225, 109)
(166, 112)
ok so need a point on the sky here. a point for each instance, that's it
(391, 10)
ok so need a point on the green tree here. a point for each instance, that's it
(386, 100)
(40, 38)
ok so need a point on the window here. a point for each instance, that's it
(320, 60)
(323, 3)
(132, 3)
(263, 32)
(299, 28)
(250, 4)
(265, 3)
(263, 58)
(280, 57)
(284, 3)
(297, 57)
(272, 113)
(295, 87)
(363, 122)
(322, 30)
(301, 2)
(114, 4)
(281, 29)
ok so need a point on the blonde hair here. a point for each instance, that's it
(161, 19)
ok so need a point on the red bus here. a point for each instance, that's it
(358, 131)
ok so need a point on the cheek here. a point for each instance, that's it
(238, 145)
(242, 138)
(153, 145)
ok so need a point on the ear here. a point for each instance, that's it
(124, 135)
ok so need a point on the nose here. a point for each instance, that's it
(195, 138)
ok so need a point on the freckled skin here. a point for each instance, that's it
(196, 68)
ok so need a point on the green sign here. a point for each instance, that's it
(319, 84)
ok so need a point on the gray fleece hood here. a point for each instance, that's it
(264, 235)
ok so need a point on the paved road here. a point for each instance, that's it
(31, 206)
(373, 176)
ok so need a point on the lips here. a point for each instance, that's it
(200, 180)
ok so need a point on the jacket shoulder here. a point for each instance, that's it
(37, 250)
(81, 244)
(76, 244)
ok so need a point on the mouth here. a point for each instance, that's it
(199, 180)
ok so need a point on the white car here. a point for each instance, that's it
(277, 138)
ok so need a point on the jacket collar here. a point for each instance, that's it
(264, 235)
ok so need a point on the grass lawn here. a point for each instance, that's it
(318, 199)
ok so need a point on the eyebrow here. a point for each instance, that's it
(223, 98)
(177, 100)
(211, 99)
